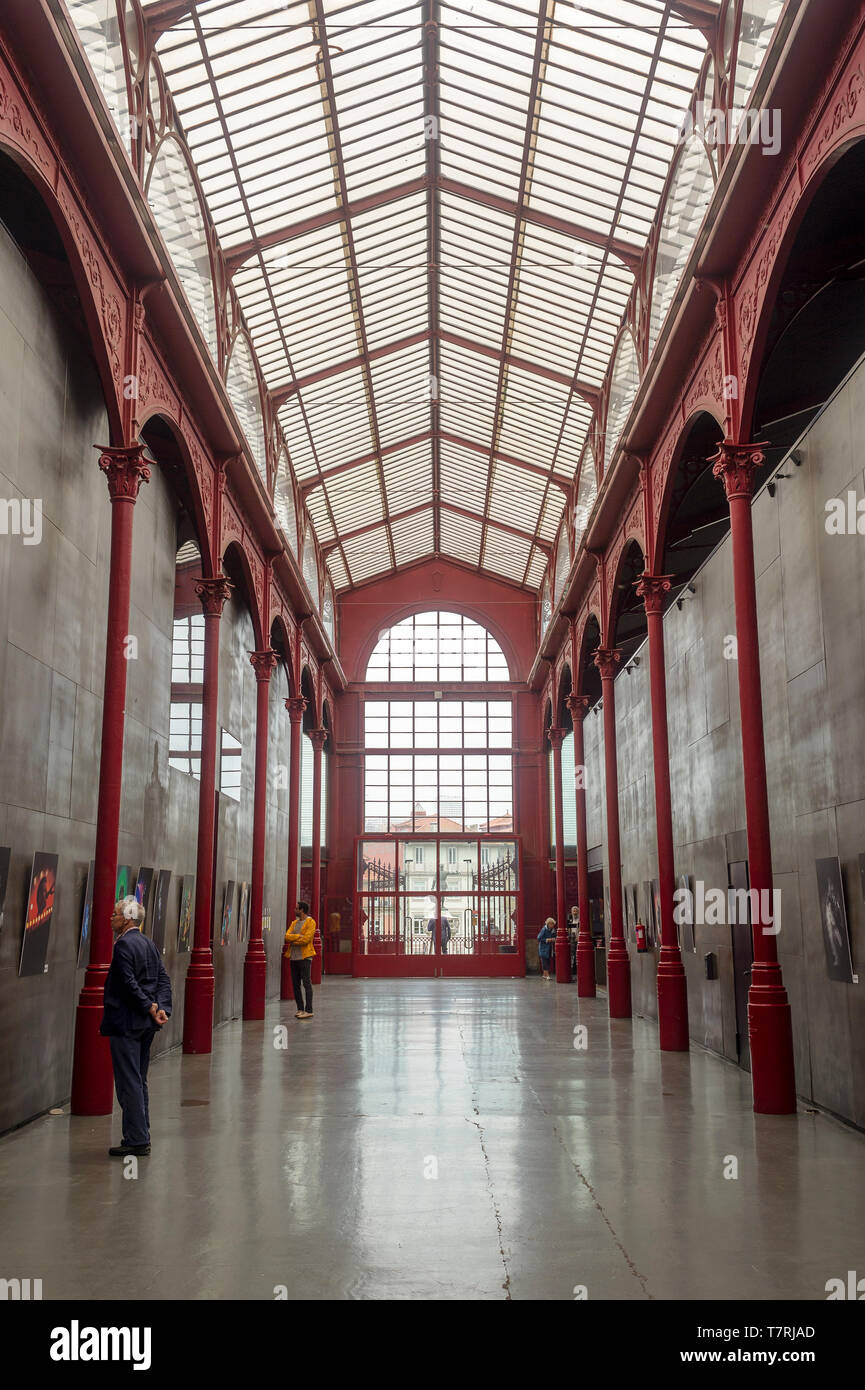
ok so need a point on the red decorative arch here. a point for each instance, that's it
(839, 126)
(103, 299)
(238, 550)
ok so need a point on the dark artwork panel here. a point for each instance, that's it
(227, 912)
(687, 935)
(86, 918)
(37, 920)
(656, 912)
(5, 857)
(833, 916)
(160, 908)
(243, 913)
(649, 912)
(143, 893)
(184, 921)
(125, 887)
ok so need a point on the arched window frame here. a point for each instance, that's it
(563, 563)
(427, 651)
(616, 423)
(657, 310)
(587, 492)
(203, 287)
(286, 513)
(245, 398)
(309, 565)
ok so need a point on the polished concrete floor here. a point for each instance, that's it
(436, 1139)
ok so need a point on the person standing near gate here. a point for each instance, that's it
(300, 949)
(137, 1002)
(546, 938)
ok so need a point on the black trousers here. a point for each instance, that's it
(130, 1058)
(301, 974)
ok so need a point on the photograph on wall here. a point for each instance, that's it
(37, 919)
(86, 917)
(5, 857)
(243, 912)
(125, 886)
(227, 912)
(160, 909)
(833, 916)
(685, 915)
(184, 921)
(143, 893)
(265, 920)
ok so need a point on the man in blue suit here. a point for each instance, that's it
(137, 1001)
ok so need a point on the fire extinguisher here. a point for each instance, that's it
(640, 932)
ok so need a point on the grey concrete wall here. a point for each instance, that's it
(53, 606)
(810, 591)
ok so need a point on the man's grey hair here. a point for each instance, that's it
(131, 909)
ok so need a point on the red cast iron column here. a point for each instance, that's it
(319, 738)
(578, 706)
(255, 964)
(672, 983)
(769, 1021)
(92, 1077)
(618, 965)
(198, 1005)
(563, 954)
(295, 705)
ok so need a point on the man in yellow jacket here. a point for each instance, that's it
(300, 950)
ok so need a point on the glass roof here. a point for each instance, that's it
(433, 213)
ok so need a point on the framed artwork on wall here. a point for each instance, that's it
(833, 917)
(40, 910)
(86, 916)
(160, 908)
(656, 912)
(227, 912)
(184, 921)
(243, 913)
(125, 887)
(143, 887)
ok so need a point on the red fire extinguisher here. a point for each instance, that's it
(640, 932)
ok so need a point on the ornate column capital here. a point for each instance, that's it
(651, 588)
(578, 706)
(212, 594)
(607, 660)
(318, 738)
(295, 704)
(263, 663)
(556, 737)
(735, 465)
(125, 470)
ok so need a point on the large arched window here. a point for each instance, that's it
(689, 196)
(624, 385)
(284, 503)
(241, 384)
(309, 565)
(587, 492)
(437, 646)
(100, 33)
(174, 201)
